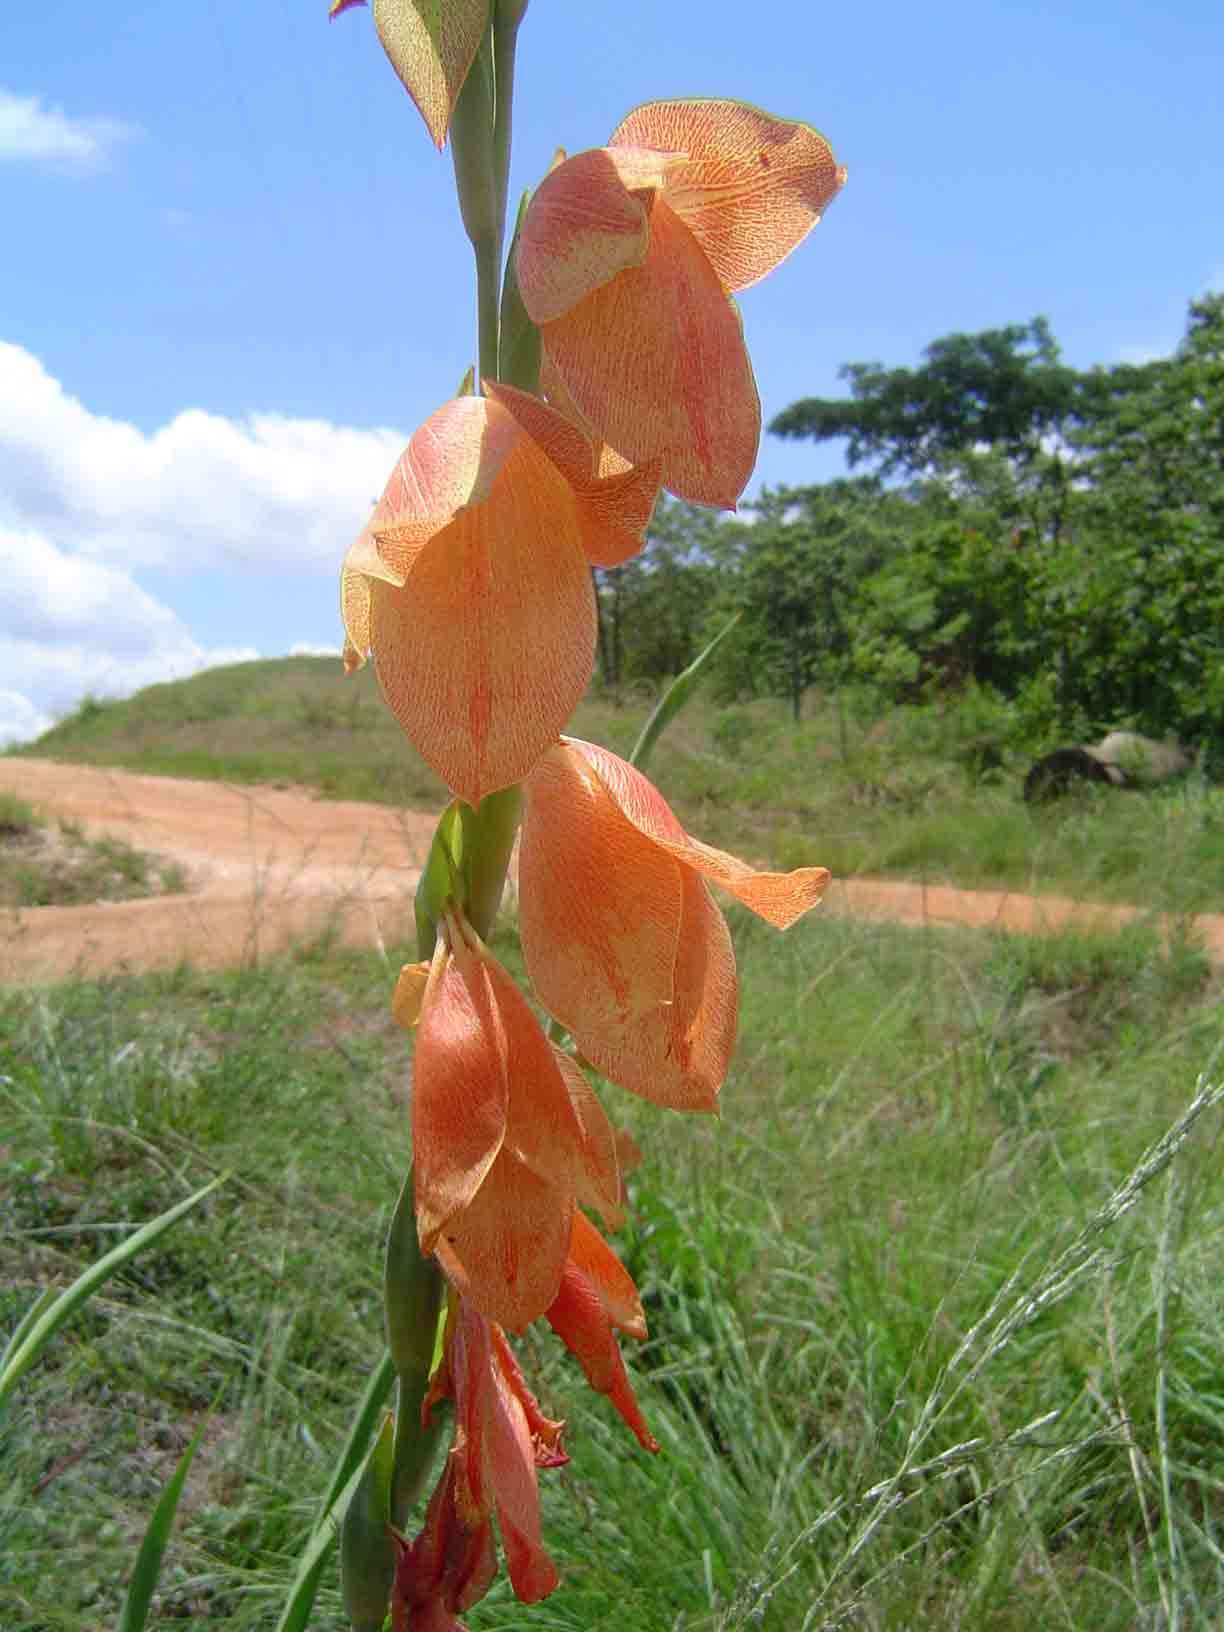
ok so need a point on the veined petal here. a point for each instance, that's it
(615, 500)
(431, 47)
(486, 651)
(460, 1094)
(677, 1055)
(656, 363)
(779, 898)
(585, 225)
(599, 905)
(750, 186)
(595, 1258)
(599, 1182)
(582, 1321)
(509, 1244)
(355, 614)
(543, 1129)
(452, 460)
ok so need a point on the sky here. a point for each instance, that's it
(233, 280)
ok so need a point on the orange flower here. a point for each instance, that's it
(597, 1299)
(472, 585)
(506, 1133)
(627, 260)
(501, 1438)
(621, 938)
(431, 48)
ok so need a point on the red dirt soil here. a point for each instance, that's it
(273, 866)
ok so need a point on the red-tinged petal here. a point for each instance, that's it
(585, 225)
(562, 440)
(452, 460)
(590, 1253)
(510, 1242)
(431, 48)
(655, 362)
(599, 906)
(460, 1096)
(750, 187)
(448, 1568)
(543, 1129)
(581, 1321)
(599, 1182)
(545, 1432)
(486, 651)
(512, 1468)
(779, 898)
(677, 1055)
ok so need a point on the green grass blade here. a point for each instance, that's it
(135, 1611)
(675, 697)
(296, 1614)
(42, 1327)
(41, 1303)
(358, 1442)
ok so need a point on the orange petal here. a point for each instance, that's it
(599, 1182)
(750, 186)
(677, 1055)
(579, 1318)
(599, 904)
(780, 898)
(655, 362)
(460, 1095)
(595, 1258)
(510, 1242)
(431, 48)
(486, 651)
(543, 1129)
(355, 613)
(616, 502)
(585, 225)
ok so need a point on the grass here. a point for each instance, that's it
(44, 865)
(923, 1350)
(928, 793)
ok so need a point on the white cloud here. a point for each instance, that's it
(70, 626)
(257, 493)
(30, 132)
(306, 648)
(20, 720)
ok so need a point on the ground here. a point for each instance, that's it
(270, 865)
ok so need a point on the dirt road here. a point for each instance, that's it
(272, 866)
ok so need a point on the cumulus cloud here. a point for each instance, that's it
(33, 133)
(70, 626)
(306, 648)
(257, 493)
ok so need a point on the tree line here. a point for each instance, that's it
(1053, 535)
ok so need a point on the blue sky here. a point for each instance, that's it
(233, 279)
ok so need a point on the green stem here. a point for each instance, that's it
(488, 255)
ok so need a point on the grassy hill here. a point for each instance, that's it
(924, 792)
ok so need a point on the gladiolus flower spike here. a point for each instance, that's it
(471, 584)
(628, 258)
(621, 939)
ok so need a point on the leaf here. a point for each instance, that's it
(675, 697)
(135, 1611)
(45, 1319)
(295, 1616)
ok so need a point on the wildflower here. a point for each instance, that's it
(471, 584)
(621, 938)
(506, 1135)
(628, 258)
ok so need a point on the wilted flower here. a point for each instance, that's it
(506, 1134)
(501, 1438)
(621, 938)
(471, 584)
(627, 260)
